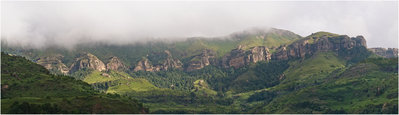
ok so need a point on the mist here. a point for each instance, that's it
(66, 24)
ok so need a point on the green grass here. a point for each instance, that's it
(202, 88)
(134, 84)
(362, 88)
(29, 88)
(312, 70)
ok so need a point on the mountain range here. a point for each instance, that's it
(253, 71)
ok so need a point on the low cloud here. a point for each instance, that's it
(40, 24)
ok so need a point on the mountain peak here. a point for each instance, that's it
(323, 33)
(87, 60)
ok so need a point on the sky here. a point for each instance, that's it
(67, 23)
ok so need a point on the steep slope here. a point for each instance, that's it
(87, 60)
(114, 63)
(53, 64)
(29, 88)
(367, 87)
(270, 38)
(162, 62)
(320, 42)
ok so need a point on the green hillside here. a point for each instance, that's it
(130, 54)
(298, 75)
(29, 88)
(367, 87)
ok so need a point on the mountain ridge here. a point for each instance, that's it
(238, 75)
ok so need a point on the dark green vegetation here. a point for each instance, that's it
(346, 80)
(130, 54)
(27, 87)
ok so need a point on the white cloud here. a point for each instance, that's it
(67, 23)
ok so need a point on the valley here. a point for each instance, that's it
(253, 71)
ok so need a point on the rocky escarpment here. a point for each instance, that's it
(115, 64)
(312, 44)
(384, 52)
(207, 57)
(143, 65)
(239, 57)
(167, 63)
(87, 60)
(53, 63)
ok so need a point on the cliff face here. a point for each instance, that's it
(310, 45)
(238, 57)
(53, 63)
(168, 62)
(143, 65)
(87, 61)
(384, 52)
(207, 57)
(115, 64)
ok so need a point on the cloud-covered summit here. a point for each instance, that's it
(66, 24)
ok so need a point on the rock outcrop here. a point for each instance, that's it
(87, 60)
(310, 45)
(207, 57)
(143, 65)
(53, 63)
(239, 57)
(115, 64)
(167, 63)
(384, 52)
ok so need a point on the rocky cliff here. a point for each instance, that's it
(167, 63)
(115, 64)
(239, 57)
(143, 65)
(207, 57)
(53, 63)
(312, 44)
(87, 60)
(384, 52)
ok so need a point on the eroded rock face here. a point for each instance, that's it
(87, 60)
(200, 61)
(308, 46)
(239, 57)
(143, 65)
(53, 63)
(116, 64)
(260, 53)
(384, 52)
(168, 62)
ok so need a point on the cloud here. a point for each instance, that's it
(39, 24)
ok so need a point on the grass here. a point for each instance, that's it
(36, 90)
(362, 88)
(134, 84)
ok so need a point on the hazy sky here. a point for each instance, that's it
(68, 23)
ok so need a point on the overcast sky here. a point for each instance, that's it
(68, 23)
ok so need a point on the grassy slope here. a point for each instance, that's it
(25, 81)
(363, 88)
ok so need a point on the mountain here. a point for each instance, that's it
(53, 63)
(30, 88)
(253, 71)
(87, 60)
(164, 62)
(384, 52)
(114, 63)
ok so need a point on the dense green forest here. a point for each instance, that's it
(27, 87)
